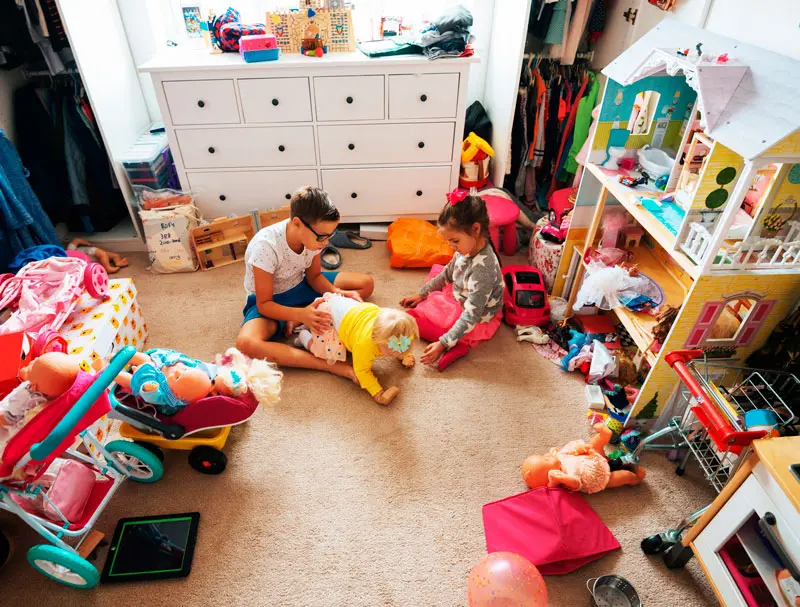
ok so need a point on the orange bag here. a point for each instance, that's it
(415, 243)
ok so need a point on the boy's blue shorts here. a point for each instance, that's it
(297, 297)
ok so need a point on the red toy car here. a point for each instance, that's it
(525, 297)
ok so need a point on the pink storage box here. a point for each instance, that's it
(257, 42)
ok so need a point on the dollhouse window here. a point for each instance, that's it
(644, 113)
(733, 322)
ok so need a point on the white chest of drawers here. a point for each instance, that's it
(383, 136)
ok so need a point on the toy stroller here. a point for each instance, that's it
(49, 435)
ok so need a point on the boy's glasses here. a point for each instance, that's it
(319, 237)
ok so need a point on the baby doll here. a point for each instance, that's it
(368, 332)
(45, 379)
(112, 262)
(579, 466)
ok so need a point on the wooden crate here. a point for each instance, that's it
(223, 241)
(267, 218)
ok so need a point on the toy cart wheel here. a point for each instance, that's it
(5, 549)
(680, 470)
(208, 460)
(50, 341)
(95, 279)
(63, 566)
(654, 544)
(157, 451)
(677, 555)
(135, 461)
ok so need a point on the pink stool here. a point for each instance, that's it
(502, 212)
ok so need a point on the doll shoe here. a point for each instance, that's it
(330, 258)
(350, 240)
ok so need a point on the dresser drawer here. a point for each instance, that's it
(201, 102)
(423, 96)
(227, 192)
(275, 99)
(386, 143)
(349, 97)
(250, 147)
(390, 192)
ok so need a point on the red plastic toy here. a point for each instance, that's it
(525, 297)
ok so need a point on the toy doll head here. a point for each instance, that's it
(315, 215)
(463, 221)
(394, 332)
(188, 384)
(52, 374)
(536, 469)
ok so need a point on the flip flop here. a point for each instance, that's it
(348, 240)
(329, 251)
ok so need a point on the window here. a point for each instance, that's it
(643, 115)
(731, 323)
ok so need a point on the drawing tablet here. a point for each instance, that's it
(151, 548)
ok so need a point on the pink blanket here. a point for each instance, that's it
(43, 292)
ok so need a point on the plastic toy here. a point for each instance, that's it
(632, 182)
(505, 578)
(525, 297)
(579, 466)
(475, 154)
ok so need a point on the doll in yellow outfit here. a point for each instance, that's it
(368, 332)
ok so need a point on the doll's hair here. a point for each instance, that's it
(464, 214)
(312, 204)
(393, 323)
(263, 378)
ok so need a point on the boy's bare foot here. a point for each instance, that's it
(408, 360)
(289, 327)
(344, 370)
(384, 397)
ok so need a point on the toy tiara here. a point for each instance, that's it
(399, 344)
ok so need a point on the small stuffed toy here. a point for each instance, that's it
(579, 466)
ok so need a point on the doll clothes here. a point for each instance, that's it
(327, 345)
(584, 463)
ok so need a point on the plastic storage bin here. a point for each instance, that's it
(259, 47)
(147, 161)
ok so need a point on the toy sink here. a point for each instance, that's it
(655, 162)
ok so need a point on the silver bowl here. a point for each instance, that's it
(613, 591)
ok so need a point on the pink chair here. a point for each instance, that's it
(502, 213)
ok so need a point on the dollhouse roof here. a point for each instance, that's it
(748, 103)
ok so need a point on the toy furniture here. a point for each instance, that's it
(502, 213)
(382, 136)
(223, 241)
(633, 236)
(525, 297)
(731, 277)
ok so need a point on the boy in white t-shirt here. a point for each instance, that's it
(283, 276)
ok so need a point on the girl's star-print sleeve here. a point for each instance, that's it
(479, 285)
(442, 279)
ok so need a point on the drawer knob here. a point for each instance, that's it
(275, 102)
(421, 144)
(419, 192)
(353, 195)
(201, 103)
(222, 197)
(281, 148)
(349, 100)
(211, 150)
(423, 98)
(288, 196)
(351, 146)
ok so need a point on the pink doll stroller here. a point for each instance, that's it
(46, 440)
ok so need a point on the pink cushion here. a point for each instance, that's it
(502, 211)
(70, 491)
(555, 529)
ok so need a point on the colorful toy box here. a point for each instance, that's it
(261, 47)
(147, 162)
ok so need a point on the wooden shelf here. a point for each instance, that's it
(627, 197)
(640, 325)
(223, 242)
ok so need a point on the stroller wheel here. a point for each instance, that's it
(157, 451)
(63, 566)
(208, 460)
(654, 544)
(134, 461)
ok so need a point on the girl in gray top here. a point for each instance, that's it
(461, 304)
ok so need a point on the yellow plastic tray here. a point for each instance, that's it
(211, 438)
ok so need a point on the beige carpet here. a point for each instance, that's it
(331, 500)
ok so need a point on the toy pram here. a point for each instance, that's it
(201, 427)
(51, 435)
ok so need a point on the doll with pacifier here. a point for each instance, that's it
(580, 466)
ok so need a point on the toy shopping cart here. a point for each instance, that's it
(50, 436)
(724, 409)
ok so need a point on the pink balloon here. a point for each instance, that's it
(505, 579)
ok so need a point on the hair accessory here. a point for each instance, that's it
(456, 196)
(399, 344)
(473, 191)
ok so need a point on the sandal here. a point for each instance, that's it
(349, 240)
(330, 251)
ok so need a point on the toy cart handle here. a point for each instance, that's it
(705, 410)
(42, 450)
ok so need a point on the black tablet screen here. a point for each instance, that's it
(148, 547)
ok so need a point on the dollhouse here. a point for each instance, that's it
(715, 123)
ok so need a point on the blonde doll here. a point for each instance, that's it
(368, 332)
